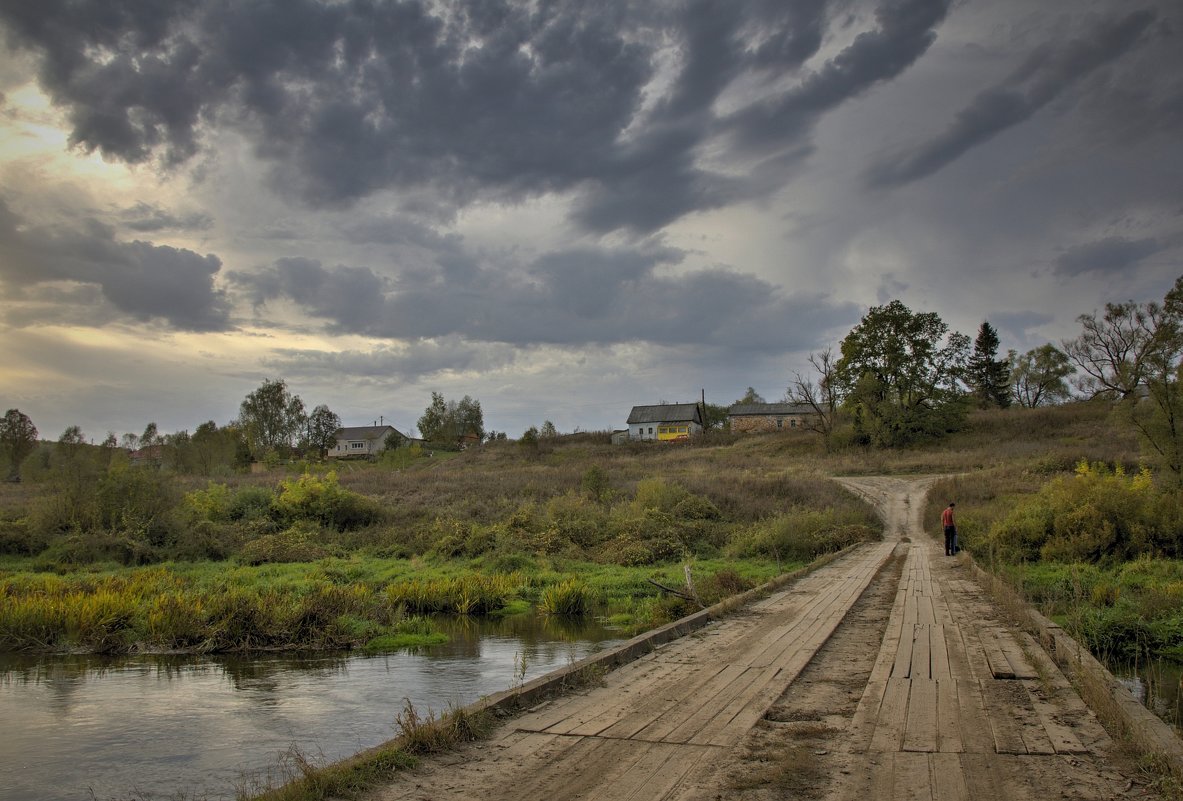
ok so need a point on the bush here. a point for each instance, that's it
(296, 544)
(325, 501)
(1096, 515)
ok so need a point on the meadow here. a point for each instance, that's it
(107, 557)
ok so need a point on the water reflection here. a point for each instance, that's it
(153, 727)
(1158, 684)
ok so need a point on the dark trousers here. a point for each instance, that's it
(950, 540)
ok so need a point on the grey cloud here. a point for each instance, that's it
(415, 360)
(906, 29)
(564, 298)
(1019, 324)
(476, 101)
(1045, 75)
(1113, 254)
(146, 218)
(140, 279)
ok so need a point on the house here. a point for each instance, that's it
(665, 422)
(751, 418)
(363, 441)
(147, 456)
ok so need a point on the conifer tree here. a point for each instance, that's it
(987, 375)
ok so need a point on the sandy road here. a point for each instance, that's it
(885, 674)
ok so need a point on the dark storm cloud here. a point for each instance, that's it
(472, 100)
(140, 279)
(1113, 254)
(570, 297)
(1049, 71)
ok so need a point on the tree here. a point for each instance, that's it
(824, 396)
(447, 422)
(72, 436)
(1039, 376)
(271, 417)
(321, 429)
(435, 417)
(714, 417)
(111, 442)
(469, 418)
(1111, 351)
(899, 375)
(1158, 417)
(130, 442)
(548, 430)
(150, 436)
(988, 376)
(18, 438)
(751, 396)
(212, 447)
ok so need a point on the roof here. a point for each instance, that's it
(363, 432)
(666, 413)
(763, 409)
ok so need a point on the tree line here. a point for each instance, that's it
(273, 425)
(901, 377)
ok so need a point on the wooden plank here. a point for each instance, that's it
(889, 725)
(681, 722)
(862, 725)
(920, 730)
(976, 735)
(912, 780)
(1000, 667)
(1019, 663)
(1008, 739)
(939, 664)
(732, 723)
(665, 777)
(902, 667)
(948, 718)
(921, 667)
(948, 778)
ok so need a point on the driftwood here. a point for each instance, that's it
(690, 595)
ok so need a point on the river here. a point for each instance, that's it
(181, 727)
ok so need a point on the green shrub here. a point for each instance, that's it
(1097, 514)
(325, 501)
(298, 543)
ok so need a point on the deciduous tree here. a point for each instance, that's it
(18, 439)
(272, 418)
(899, 373)
(320, 429)
(1039, 376)
(823, 394)
(1112, 349)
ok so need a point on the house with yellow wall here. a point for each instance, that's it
(665, 422)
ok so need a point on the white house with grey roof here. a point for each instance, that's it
(665, 422)
(361, 441)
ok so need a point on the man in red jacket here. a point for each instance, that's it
(950, 530)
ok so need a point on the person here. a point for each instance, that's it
(950, 530)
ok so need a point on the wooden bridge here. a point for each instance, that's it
(957, 703)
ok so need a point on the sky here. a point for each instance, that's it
(560, 208)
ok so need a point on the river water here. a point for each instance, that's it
(191, 728)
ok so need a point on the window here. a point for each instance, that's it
(780, 423)
(357, 446)
(793, 423)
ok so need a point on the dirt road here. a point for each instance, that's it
(884, 675)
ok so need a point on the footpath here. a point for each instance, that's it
(946, 700)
